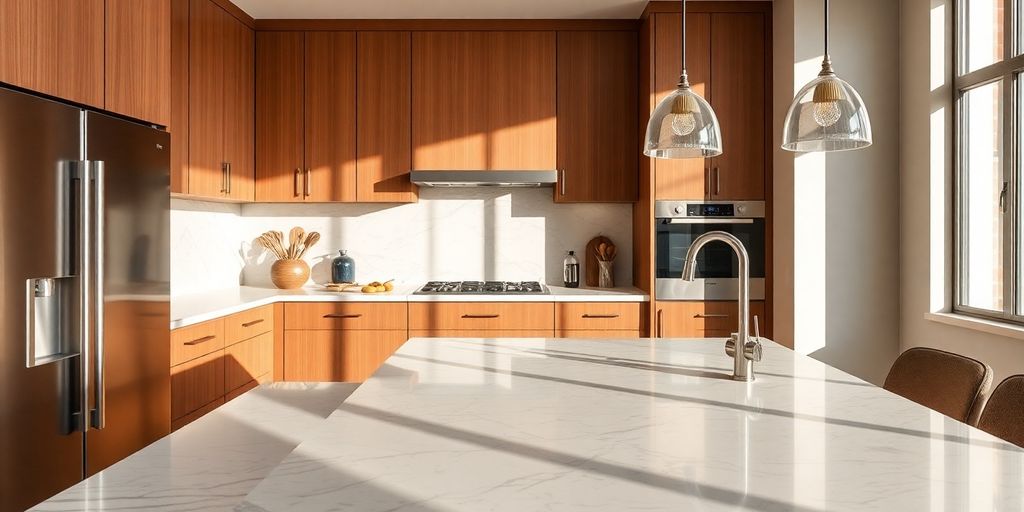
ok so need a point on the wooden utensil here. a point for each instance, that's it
(591, 258)
(310, 241)
(294, 237)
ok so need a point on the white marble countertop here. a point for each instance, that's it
(192, 309)
(519, 424)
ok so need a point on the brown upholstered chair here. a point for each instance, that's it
(948, 383)
(1004, 413)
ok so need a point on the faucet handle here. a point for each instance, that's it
(753, 350)
(730, 345)
(757, 329)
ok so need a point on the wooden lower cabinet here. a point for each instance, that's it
(481, 333)
(608, 334)
(703, 319)
(481, 316)
(248, 361)
(196, 383)
(337, 356)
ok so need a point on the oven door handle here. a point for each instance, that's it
(706, 220)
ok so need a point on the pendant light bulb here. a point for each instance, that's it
(827, 96)
(684, 115)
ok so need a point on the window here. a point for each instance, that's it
(989, 98)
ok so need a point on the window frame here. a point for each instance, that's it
(1010, 71)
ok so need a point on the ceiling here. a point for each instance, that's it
(443, 9)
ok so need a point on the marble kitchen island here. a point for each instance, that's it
(538, 424)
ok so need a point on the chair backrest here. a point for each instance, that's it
(1004, 413)
(948, 383)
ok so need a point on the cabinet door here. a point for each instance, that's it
(738, 63)
(54, 47)
(449, 101)
(196, 383)
(206, 99)
(239, 90)
(687, 178)
(597, 152)
(520, 98)
(703, 319)
(279, 116)
(138, 59)
(179, 96)
(247, 361)
(384, 92)
(330, 117)
(337, 356)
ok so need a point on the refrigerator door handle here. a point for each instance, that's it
(83, 267)
(97, 415)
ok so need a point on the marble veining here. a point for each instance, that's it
(521, 424)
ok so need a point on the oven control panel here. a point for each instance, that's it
(682, 209)
(709, 210)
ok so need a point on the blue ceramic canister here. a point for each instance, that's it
(343, 268)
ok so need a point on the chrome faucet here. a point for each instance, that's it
(750, 348)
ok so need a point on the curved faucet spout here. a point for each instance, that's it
(736, 347)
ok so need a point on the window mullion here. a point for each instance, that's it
(1009, 215)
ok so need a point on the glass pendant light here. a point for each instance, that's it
(827, 114)
(683, 125)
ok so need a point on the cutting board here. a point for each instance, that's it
(590, 259)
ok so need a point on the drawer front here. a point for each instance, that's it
(247, 361)
(707, 319)
(196, 383)
(482, 333)
(481, 316)
(597, 315)
(190, 342)
(337, 356)
(603, 334)
(346, 315)
(247, 324)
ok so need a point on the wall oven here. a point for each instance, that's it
(678, 223)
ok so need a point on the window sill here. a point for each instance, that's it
(978, 324)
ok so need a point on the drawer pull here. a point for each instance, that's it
(254, 322)
(710, 315)
(348, 315)
(204, 339)
(612, 315)
(479, 316)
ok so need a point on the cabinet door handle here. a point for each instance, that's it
(254, 322)
(308, 182)
(710, 315)
(707, 181)
(561, 184)
(718, 182)
(223, 177)
(479, 316)
(659, 330)
(588, 315)
(295, 185)
(346, 315)
(229, 176)
(200, 341)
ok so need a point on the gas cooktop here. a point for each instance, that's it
(481, 287)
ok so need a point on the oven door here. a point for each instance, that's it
(717, 276)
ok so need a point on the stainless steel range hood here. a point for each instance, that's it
(484, 178)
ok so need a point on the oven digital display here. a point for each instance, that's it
(710, 210)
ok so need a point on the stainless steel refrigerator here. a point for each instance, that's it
(84, 293)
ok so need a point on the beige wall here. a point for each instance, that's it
(836, 215)
(925, 162)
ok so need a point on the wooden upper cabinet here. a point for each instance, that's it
(483, 100)
(686, 178)
(55, 47)
(384, 92)
(239, 105)
(179, 96)
(279, 116)
(207, 51)
(739, 96)
(597, 118)
(138, 59)
(330, 116)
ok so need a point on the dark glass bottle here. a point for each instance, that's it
(343, 268)
(571, 271)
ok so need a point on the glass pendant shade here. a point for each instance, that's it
(826, 115)
(683, 125)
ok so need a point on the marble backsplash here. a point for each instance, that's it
(472, 233)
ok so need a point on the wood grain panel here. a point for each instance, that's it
(446, 24)
(196, 414)
(482, 333)
(597, 334)
(703, 319)
(337, 356)
(384, 92)
(279, 115)
(481, 316)
(598, 315)
(196, 340)
(643, 209)
(206, 99)
(449, 100)
(345, 315)
(138, 59)
(330, 116)
(521, 100)
(179, 96)
(245, 325)
(196, 383)
(738, 86)
(239, 108)
(597, 117)
(686, 178)
(248, 360)
(278, 361)
(243, 389)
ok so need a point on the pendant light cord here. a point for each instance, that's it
(683, 80)
(826, 29)
(826, 61)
